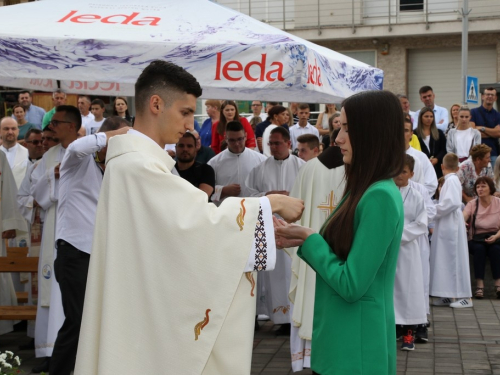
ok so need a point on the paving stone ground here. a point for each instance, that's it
(461, 341)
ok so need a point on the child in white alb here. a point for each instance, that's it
(409, 296)
(450, 277)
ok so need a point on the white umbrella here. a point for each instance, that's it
(100, 47)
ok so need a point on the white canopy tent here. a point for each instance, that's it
(100, 47)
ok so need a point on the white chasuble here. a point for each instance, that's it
(232, 168)
(50, 314)
(320, 184)
(450, 275)
(10, 219)
(168, 285)
(423, 240)
(409, 296)
(272, 287)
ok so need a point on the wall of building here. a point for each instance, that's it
(395, 63)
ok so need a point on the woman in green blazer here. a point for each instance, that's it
(355, 254)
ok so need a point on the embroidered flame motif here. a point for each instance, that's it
(240, 219)
(249, 276)
(201, 325)
(284, 309)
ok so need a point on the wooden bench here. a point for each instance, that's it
(18, 261)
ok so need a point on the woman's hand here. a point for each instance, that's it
(290, 235)
(492, 238)
(434, 161)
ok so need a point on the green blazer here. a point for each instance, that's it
(354, 326)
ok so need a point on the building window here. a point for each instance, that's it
(406, 5)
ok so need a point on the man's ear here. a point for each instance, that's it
(155, 103)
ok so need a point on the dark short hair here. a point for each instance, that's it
(166, 80)
(311, 139)
(17, 106)
(189, 135)
(281, 130)
(72, 114)
(24, 92)
(491, 88)
(485, 180)
(276, 110)
(409, 162)
(272, 103)
(234, 126)
(113, 123)
(86, 97)
(424, 89)
(31, 131)
(98, 102)
(304, 106)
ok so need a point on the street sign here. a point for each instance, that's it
(472, 90)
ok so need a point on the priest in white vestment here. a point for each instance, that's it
(233, 165)
(320, 184)
(170, 286)
(424, 172)
(275, 175)
(11, 223)
(16, 154)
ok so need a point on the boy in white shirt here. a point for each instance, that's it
(97, 108)
(450, 277)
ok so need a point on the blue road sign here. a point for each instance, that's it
(472, 90)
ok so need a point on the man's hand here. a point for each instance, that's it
(232, 190)
(56, 171)
(120, 131)
(290, 209)
(9, 234)
(282, 192)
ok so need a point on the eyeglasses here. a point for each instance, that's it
(36, 142)
(489, 94)
(256, 105)
(277, 143)
(237, 140)
(56, 123)
(50, 139)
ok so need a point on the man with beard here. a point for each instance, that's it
(199, 175)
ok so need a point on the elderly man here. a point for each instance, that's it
(17, 155)
(84, 104)
(58, 98)
(33, 114)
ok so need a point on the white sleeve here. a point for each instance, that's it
(24, 198)
(418, 226)
(263, 254)
(252, 183)
(450, 199)
(43, 188)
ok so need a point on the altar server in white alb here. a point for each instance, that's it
(233, 165)
(276, 175)
(320, 185)
(450, 276)
(170, 286)
(11, 222)
(45, 191)
(424, 171)
(409, 298)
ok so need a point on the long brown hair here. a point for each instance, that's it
(221, 126)
(376, 133)
(420, 127)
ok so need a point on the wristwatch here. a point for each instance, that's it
(482, 129)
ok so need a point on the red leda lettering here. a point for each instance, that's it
(259, 67)
(122, 19)
(227, 67)
(314, 74)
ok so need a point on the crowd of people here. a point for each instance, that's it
(448, 184)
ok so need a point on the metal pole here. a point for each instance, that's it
(284, 26)
(319, 19)
(390, 27)
(465, 46)
(427, 15)
(250, 8)
(353, 27)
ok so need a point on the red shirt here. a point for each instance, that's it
(217, 138)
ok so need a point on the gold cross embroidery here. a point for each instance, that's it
(328, 206)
